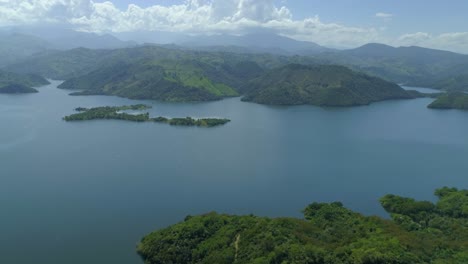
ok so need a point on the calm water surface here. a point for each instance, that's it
(87, 192)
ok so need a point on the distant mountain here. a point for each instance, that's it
(20, 83)
(61, 65)
(249, 43)
(413, 66)
(64, 65)
(15, 47)
(259, 42)
(325, 85)
(63, 38)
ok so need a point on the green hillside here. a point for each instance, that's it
(20, 83)
(325, 85)
(184, 80)
(65, 65)
(453, 83)
(15, 88)
(412, 66)
(452, 100)
(419, 232)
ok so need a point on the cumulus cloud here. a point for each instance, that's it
(192, 16)
(210, 17)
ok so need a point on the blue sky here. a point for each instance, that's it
(434, 16)
(335, 23)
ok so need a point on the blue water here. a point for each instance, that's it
(87, 192)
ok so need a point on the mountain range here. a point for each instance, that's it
(212, 67)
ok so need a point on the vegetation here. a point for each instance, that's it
(452, 100)
(172, 74)
(150, 72)
(325, 85)
(15, 88)
(419, 232)
(20, 83)
(118, 113)
(412, 66)
(454, 83)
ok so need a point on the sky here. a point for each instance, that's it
(334, 23)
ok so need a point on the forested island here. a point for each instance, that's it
(451, 100)
(118, 113)
(13, 83)
(418, 232)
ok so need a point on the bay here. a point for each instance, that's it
(86, 192)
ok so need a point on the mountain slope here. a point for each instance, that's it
(20, 83)
(260, 42)
(325, 85)
(413, 66)
(63, 38)
(166, 79)
(454, 83)
(64, 65)
(452, 100)
(15, 47)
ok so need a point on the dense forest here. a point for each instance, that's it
(412, 66)
(325, 85)
(118, 113)
(418, 232)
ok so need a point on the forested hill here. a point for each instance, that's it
(64, 65)
(168, 80)
(20, 83)
(325, 85)
(452, 100)
(419, 232)
(412, 66)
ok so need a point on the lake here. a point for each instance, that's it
(87, 192)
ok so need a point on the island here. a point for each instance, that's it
(322, 85)
(451, 100)
(418, 232)
(118, 113)
(13, 83)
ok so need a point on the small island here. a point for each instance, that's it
(452, 100)
(118, 113)
(418, 232)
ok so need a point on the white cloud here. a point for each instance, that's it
(383, 15)
(211, 17)
(193, 16)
